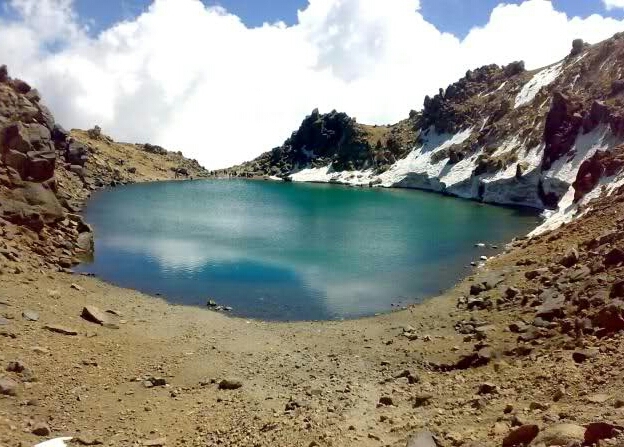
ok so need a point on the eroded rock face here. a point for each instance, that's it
(562, 125)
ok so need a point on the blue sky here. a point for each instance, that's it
(454, 16)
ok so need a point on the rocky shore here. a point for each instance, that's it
(526, 351)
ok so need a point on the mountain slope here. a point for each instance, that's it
(500, 135)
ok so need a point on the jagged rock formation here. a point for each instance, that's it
(500, 135)
(46, 173)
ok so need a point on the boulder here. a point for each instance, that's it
(522, 435)
(610, 318)
(614, 257)
(597, 431)
(570, 258)
(577, 47)
(42, 168)
(561, 434)
(230, 384)
(18, 161)
(553, 307)
(583, 355)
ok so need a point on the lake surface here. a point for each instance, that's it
(284, 251)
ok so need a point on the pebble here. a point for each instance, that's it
(230, 384)
(8, 387)
(41, 429)
(30, 315)
(385, 400)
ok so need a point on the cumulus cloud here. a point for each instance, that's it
(613, 4)
(194, 78)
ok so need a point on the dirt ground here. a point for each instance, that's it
(368, 382)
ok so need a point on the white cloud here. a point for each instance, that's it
(196, 79)
(613, 4)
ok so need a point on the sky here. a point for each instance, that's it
(225, 81)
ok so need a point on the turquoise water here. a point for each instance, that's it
(284, 251)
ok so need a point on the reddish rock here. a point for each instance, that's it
(522, 435)
(596, 431)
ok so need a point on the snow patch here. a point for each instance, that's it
(539, 80)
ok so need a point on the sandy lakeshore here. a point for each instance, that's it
(368, 382)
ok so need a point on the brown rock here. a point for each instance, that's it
(386, 400)
(488, 388)
(8, 387)
(599, 430)
(94, 315)
(570, 258)
(583, 355)
(614, 257)
(522, 435)
(41, 429)
(230, 384)
(561, 434)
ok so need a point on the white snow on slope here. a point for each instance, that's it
(539, 80)
(327, 175)
(564, 171)
(417, 170)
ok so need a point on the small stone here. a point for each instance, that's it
(488, 388)
(539, 406)
(598, 398)
(155, 442)
(583, 355)
(60, 329)
(8, 387)
(4, 321)
(77, 287)
(157, 381)
(86, 440)
(94, 315)
(41, 429)
(16, 367)
(230, 384)
(422, 439)
(30, 315)
(385, 400)
(422, 400)
(522, 435)
(570, 258)
(561, 434)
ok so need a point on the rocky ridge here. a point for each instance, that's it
(500, 135)
(47, 173)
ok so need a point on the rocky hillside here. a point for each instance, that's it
(46, 173)
(500, 135)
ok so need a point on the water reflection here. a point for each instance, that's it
(281, 251)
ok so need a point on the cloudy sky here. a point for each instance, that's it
(226, 81)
